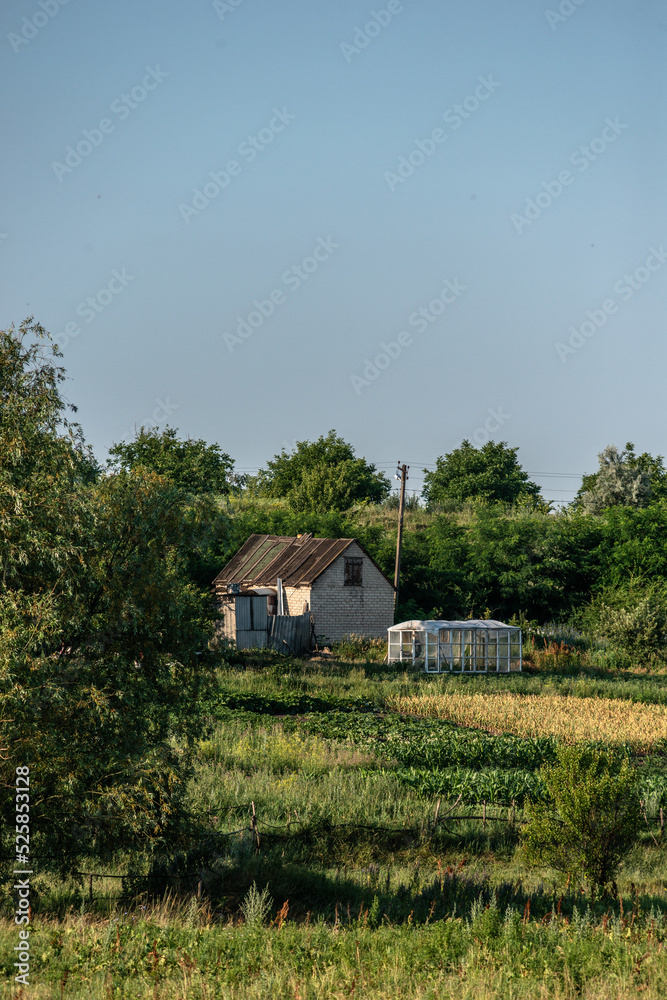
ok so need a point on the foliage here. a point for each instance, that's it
(529, 562)
(360, 647)
(256, 906)
(491, 473)
(100, 629)
(190, 465)
(631, 544)
(591, 817)
(497, 785)
(44, 468)
(321, 476)
(632, 617)
(430, 744)
(619, 481)
(412, 502)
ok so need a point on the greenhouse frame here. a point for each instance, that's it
(473, 647)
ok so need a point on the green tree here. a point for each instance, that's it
(623, 479)
(632, 543)
(44, 468)
(510, 562)
(491, 473)
(192, 465)
(322, 475)
(99, 626)
(590, 818)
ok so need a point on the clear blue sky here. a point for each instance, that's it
(498, 167)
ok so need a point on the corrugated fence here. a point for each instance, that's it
(289, 633)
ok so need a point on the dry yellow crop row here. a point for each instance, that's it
(572, 719)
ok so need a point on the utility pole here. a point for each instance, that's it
(403, 469)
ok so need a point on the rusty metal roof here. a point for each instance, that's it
(297, 561)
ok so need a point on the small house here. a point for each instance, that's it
(334, 580)
(477, 646)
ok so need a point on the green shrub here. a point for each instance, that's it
(589, 819)
(256, 906)
(632, 618)
(360, 647)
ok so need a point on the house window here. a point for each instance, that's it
(353, 572)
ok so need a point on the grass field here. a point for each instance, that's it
(378, 812)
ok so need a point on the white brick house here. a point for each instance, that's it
(333, 578)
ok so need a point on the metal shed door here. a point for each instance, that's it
(251, 621)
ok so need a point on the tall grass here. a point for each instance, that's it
(489, 952)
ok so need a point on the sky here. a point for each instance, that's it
(413, 221)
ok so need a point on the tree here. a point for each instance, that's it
(44, 467)
(491, 473)
(191, 465)
(99, 626)
(623, 479)
(321, 475)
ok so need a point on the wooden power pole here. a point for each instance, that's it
(403, 469)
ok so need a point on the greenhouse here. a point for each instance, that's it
(474, 647)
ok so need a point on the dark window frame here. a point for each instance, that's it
(353, 576)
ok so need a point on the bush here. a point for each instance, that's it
(590, 818)
(360, 647)
(632, 618)
(256, 906)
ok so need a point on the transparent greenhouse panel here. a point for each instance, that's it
(457, 650)
(431, 662)
(394, 646)
(418, 648)
(481, 650)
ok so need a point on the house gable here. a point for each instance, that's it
(342, 605)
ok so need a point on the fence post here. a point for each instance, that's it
(435, 818)
(484, 815)
(90, 887)
(253, 823)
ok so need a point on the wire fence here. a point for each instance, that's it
(426, 828)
